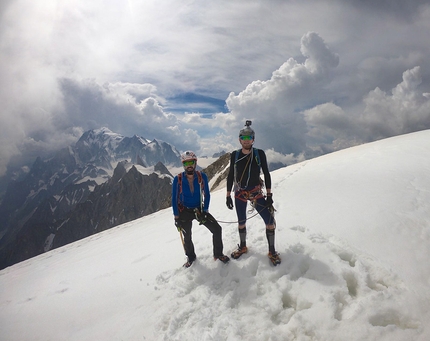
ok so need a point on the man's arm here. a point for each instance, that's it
(265, 168)
(207, 192)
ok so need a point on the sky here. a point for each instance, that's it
(314, 76)
(352, 231)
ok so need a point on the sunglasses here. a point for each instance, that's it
(188, 163)
(246, 137)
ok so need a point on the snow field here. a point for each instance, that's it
(353, 230)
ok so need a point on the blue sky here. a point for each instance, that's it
(186, 102)
(314, 76)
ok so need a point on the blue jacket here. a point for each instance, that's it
(186, 197)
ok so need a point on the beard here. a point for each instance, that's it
(247, 147)
(189, 170)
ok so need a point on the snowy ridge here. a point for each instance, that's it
(354, 237)
(108, 148)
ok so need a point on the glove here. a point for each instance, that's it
(229, 203)
(202, 217)
(269, 200)
(178, 224)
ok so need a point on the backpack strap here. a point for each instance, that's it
(179, 191)
(256, 153)
(200, 178)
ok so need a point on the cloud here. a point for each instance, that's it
(319, 57)
(330, 129)
(405, 110)
(275, 157)
(405, 10)
(275, 104)
(164, 69)
(126, 108)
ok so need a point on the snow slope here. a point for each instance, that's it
(353, 230)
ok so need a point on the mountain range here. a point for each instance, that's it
(103, 180)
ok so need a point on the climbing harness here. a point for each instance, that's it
(201, 186)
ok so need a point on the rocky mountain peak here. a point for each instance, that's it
(54, 188)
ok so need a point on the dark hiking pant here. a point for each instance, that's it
(260, 208)
(186, 218)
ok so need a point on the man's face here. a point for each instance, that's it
(189, 165)
(246, 141)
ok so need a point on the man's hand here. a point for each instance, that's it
(269, 200)
(178, 224)
(229, 203)
(201, 217)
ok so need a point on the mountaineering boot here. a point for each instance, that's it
(223, 259)
(274, 258)
(188, 263)
(239, 252)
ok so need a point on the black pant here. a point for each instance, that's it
(186, 217)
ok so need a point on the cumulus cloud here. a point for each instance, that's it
(277, 107)
(278, 158)
(275, 104)
(320, 60)
(404, 110)
(329, 129)
(128, 109)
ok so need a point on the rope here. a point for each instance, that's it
(246, 166)
(258, 212)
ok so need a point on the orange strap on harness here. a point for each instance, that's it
(253, 194)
